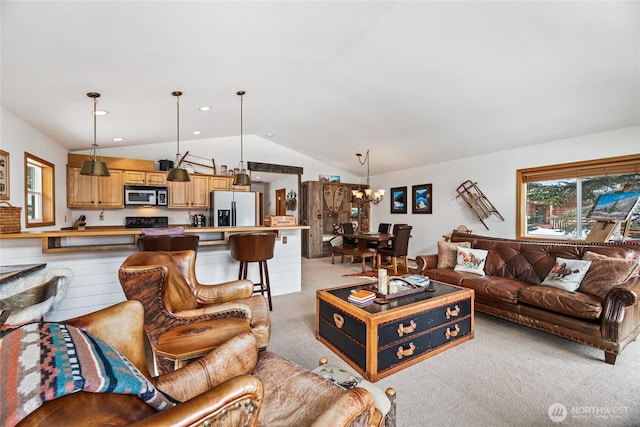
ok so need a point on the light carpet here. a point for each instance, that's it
(508, 375)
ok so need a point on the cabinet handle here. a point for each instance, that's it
(453, 333)
(406, 329)
(453, 313)
(338, 319)
(404, 352)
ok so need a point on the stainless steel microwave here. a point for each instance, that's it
(145, 196)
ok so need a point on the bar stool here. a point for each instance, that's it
(254, 247)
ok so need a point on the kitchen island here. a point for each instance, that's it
(95, 254)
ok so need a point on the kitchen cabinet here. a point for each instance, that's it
(99, 192)
(145, 178)
(220, 183)
(323, 204)
(192, 194)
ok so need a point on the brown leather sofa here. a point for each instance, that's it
(511, 290)
(234, 385)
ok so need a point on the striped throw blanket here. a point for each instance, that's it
(46, 360)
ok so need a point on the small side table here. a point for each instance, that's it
(197, 339)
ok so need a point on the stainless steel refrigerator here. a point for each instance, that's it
(233, 208)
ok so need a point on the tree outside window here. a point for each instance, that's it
(554, 201)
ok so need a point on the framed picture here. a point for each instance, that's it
(614, 206)
(422, 199)
(399, 200)
(4, 175)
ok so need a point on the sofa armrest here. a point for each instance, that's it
(617, 320)
(627, 293)
(223, 292)
(426, 261)
(235, 402)
(237, 356)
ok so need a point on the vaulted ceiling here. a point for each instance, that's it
(414, 82)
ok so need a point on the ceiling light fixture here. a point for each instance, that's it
(242, 178)
(205, 108)
(93, 166)
(118, 139)
(366, 196)
(177, 174)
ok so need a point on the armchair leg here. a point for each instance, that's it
(390, 419)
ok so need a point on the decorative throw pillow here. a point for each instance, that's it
(606, 273)
(471, 260)
(447, 253)
(567, 274)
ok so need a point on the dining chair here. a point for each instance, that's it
(398, 250)
(383, 228)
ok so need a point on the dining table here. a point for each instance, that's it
(364, 237)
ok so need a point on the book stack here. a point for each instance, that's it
(361, 297)
(417, 279)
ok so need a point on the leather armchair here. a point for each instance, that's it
(166, 284)
(214, 390)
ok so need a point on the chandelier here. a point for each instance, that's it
(367, 196)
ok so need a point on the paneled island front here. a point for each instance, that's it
(95, 254)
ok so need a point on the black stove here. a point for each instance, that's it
(146, 222)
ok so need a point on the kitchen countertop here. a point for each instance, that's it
(118, 230)
(95, 238)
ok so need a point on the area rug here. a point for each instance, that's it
(368, 273)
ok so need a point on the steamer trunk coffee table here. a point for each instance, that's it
(378, 340)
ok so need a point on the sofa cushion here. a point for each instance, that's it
(496, 287)
(448, 252)
(447, 275)
(471, 260)
(605, 273)
(575, 304)
(567, 274)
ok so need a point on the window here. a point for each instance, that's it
(39, 192)
(554, 201)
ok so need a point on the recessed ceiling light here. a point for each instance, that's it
(100, 112)
(118, 139)
(196, 132)
(205, 108)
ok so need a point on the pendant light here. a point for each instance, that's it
(94, 166)
(242, 178)
(176, 174)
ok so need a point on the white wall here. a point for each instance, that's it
(495, 174)
(18, 137)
